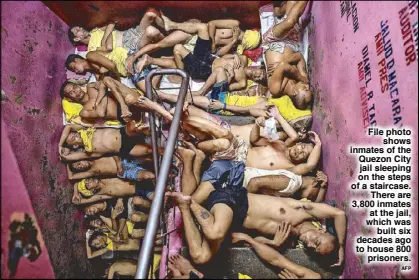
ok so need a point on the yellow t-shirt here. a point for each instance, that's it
(96, 36)
(239, 100)
(72, 113)
(118, 56)
(287, 108)
(130, 227)
(109, 242)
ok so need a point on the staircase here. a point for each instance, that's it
(228, 263)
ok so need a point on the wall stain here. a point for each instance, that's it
(28, 45)
(32, 111)
(5, 31)
(12, 79)
(49, 44)
(328, 129)
(19, 98)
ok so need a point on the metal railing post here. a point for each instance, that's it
(156, 206)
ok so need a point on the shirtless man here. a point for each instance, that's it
(105, 208)
(100, 243)
(286, 184)
(96, 105)
(212, 138)
(107, 167)
(286, 69)
(98, 142)
(300, 158)
(95, 189)
(133, 38)
(224, 33)
(264, 214)
(282, 183)
(110, 63)
(202, 63)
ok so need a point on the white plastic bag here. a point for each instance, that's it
(270, 129)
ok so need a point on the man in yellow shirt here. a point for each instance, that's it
(133, 38)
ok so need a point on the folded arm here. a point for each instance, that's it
(78, 175)
(76, 156)
(96, 253)
(240, 80)
(255, 138)
(98, 58)
(312, 161)
(107, 40)
(323, 211)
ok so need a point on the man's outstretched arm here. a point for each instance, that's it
(323, 211)
(273, 257)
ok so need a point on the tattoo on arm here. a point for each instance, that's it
(204, 214)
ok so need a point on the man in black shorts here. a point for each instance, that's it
(197, 64)
(224, 203)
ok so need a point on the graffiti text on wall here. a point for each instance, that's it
(367, 102)
(387, 70)
(409, 32)
(349, 8)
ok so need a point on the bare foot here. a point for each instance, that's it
(144, 61)
(158, 20)
(142, 128)
(183, 265)
(141, 102)
(181, 200)
(239, 236)
(126, 113)
(198, 153)
(167, 22)
(175, 272)
(185, 154)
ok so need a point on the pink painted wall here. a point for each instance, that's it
(34, 46)
(13, 188)
(334, 55)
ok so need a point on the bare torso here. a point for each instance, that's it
(106, 140)
(268, 157)
(274, 58)
(117, 187)
(111, 109)
(266, 212)
(130, 245)
(223, 36)
(242, 131)
(221, 62)
(104, 166)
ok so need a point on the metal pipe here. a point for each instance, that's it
(152, 223)
(152, 121)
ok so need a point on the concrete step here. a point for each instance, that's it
(231, 261)
(238, 120)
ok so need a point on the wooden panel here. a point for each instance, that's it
(97, 13)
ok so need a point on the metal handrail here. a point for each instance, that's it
(156, 206)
